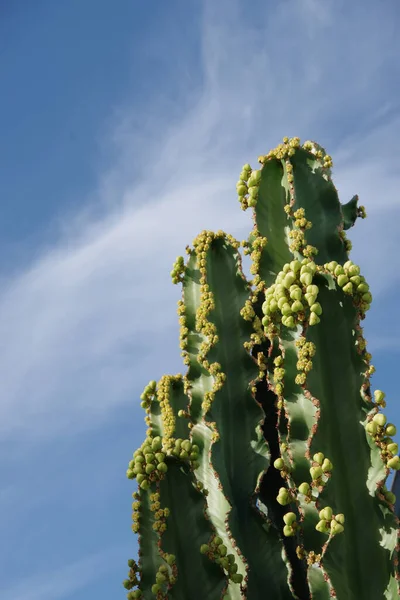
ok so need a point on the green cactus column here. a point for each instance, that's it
(262, 475)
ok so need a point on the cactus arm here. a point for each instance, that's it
(271, 221)
(350, 212)
(240, 448)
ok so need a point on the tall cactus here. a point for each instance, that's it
(262, 475)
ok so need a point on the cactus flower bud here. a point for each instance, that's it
(150, 469)
(145, 484)
(170, 559)
(204, 548)
(237, 578)
(155, 588)
(393, 448)
(162, 467)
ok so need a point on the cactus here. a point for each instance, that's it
(263, 470)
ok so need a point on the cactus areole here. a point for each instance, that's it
(262, 474)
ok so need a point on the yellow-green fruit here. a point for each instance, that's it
(289, 322)
(130, 474)
(326, 513)
(295, 266)
(336, 527)
(316, 308)
(204, 548)
(279, 464)
(319, 458)
(379, 419)
(217, 540)
(314, 319)
(348, 288)
(339, 270)
(160, 578)
(394, 463)
(283, 497)
(289, 518)
(150, 469)
(313, 290)
(390, 429)
(304, 488)
(340, 518)
(186, 445)
(155, 588)
(327, 466)
(311, 298)
(237, 578)
(297, 306)
(322, 526)
(393, 448)
(162, 467)
(288, 531)
(222, 550)
(145, 484)
(149, 457)
(379, 396)
(156, 443)
(342, 280)
(316, 472)
(372, 428)
(170, 559)
(296, 294)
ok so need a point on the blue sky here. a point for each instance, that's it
(124, 126)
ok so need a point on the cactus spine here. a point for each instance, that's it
(263, 470)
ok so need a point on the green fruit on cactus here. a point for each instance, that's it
(379, 419)
(304, 488)
(326, 513)
(322, 526)
(390, 429)
(279, 464)
(288, 531)
(394, 463)
(289, 518)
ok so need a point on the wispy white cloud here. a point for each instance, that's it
(87, 319)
